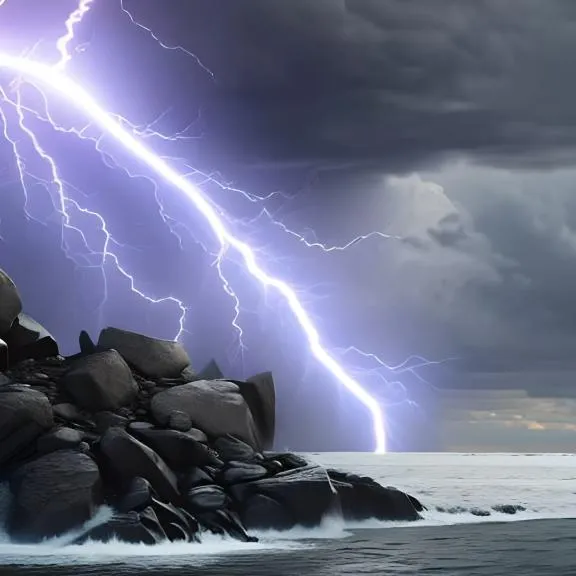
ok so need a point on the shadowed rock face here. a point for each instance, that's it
(101, 381)
(127, 423)
(260, 395)
(24, 415)
(29, 339)
(53, 494)
(216, 407)
(150, 356)
(10, 303)
(128, 458)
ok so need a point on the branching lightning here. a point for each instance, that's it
(133, 139)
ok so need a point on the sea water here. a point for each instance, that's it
(452, 539)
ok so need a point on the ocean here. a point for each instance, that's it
(452, 540)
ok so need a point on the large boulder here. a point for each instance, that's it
(137, 497)
(237, 472)
(300, 497)
(101, 381)
(151, 357)
(61, 438)
(10, 303)
(230, 448)
(216, 407)
(178, 449)
(53, 494)
(29, 339)
(24, 415)
(260, 395)
(126, 458)
(362, 498)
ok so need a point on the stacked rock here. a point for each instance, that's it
(175, 453)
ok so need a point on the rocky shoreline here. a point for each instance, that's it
(175, 453)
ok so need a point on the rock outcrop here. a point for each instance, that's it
(10, 303)
(53, 494)
(151, 357)
(215, 406)
(127, 423)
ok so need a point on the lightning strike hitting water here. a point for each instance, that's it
(76, 96)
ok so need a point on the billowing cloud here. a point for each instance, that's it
(383, 82)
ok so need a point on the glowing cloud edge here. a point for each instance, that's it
(80, 99)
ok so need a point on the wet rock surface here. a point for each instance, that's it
(128, 424)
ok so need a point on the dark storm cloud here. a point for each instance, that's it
(525, 319)
(387, 82)
(401, 85)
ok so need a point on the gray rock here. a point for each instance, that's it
(224, 522)
(137, 425)
(231, 448)
(207, 498)
(52, 495)
(28, 339)
(180, 421)
(106, 419)
(10, 303)
(101, 381)
(175, 523)
(286, 460)
(138, 496)
(86, 344)
(151, 522)
(198, 435)
(362, 498)
(237, 472)
(59, 439)
(68, 411)
(261, 512)
(24, 415)
(128, 458)
(305, 495)
(152, 357)
(260, 395)
(178, 449)
(195, 477)
(216, 407)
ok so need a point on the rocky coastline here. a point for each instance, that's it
(175, 453)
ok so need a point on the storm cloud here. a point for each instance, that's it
(448, 125)
(391, 83)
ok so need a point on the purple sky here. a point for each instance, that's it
(382, 117)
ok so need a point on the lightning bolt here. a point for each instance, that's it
(163, 44)
(132, 139)
(64, 204)
(78, 97)
(62, 43)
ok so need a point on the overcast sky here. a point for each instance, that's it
(453, 123)
(447, 123)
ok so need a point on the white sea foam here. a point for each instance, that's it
(545, 485)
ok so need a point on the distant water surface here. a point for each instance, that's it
(451, 540)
